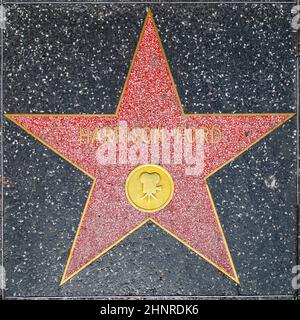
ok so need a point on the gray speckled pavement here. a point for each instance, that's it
(74, 58)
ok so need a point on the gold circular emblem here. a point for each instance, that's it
(149, 187)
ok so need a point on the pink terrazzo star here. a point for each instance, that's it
(149, 100)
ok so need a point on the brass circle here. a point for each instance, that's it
(149, 187)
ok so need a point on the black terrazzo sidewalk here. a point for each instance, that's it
(225, 58)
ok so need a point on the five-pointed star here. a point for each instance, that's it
(149, 100)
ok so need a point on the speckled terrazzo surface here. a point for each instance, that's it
(225, 58)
